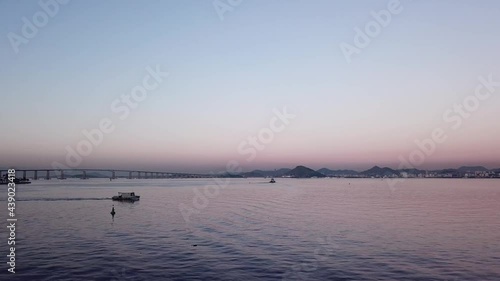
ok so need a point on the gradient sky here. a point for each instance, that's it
(227, 76)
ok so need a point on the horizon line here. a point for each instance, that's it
(250, 170)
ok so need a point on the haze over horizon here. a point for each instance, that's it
(227, 78)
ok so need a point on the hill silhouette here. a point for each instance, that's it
(304, 172)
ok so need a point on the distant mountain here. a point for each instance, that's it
(303, 172)
(337, 173)
(461, 171)
(281, 172)
(412, 171)
(254, 174)
(446, 171)
(377, 171)
(466, 169)
(264, 174)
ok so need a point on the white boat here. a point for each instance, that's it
(126, 196)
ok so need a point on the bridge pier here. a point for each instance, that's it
(62, 175)
(24, 175)
(84, 175)
(48, 175)
(113, 175)
(129, 175)
(138, 175)
(35, 176)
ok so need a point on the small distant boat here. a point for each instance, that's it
(272, 179)
(126, 196)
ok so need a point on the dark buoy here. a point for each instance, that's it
(113, 211)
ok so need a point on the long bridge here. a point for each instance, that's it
(48, 174)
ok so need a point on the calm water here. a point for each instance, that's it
(318, 229)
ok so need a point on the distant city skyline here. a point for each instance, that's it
(210, 83)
